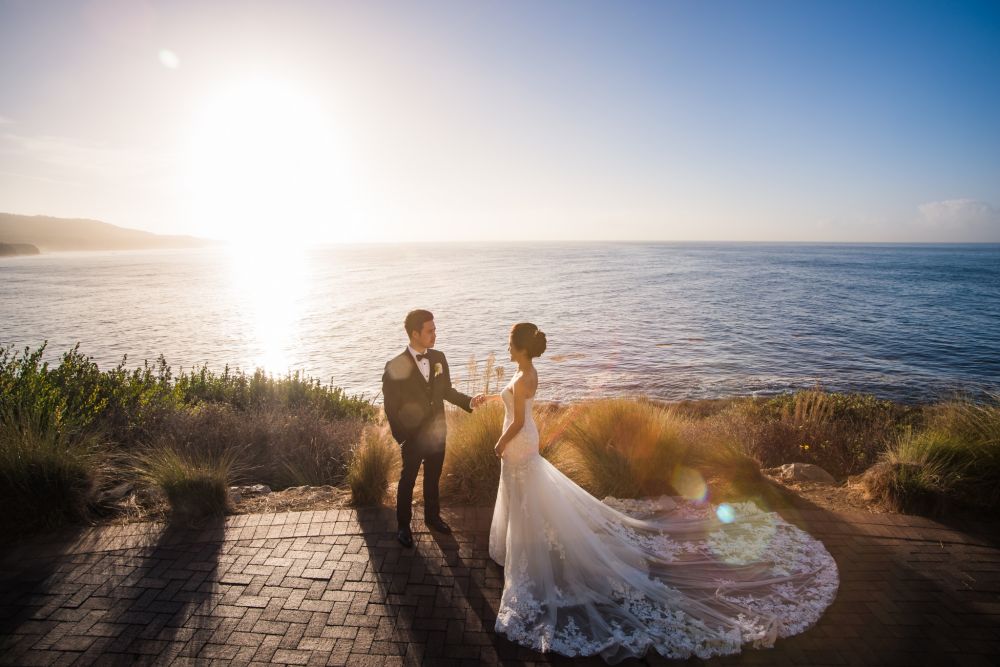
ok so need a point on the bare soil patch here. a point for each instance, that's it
(846, 497)
(148, 505)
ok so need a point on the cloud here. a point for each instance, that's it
(961, 220)
(957, 212)
(6, 121)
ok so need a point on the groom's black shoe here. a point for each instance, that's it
(405, 537)
(438, 524)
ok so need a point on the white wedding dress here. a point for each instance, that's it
(583, 578)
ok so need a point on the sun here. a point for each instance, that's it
(264, 165)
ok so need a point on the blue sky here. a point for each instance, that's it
(792, 121)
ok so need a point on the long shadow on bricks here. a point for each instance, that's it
(33, 592)
(66, 599)
(162, 603)
(436, 603)
(473, 596)
(402, 598)
(430, 600)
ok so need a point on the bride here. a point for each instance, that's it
(582, 578)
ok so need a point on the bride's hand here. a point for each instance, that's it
(498, 450)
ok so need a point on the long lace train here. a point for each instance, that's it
(615, 578)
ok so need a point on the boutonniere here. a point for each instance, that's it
(438, 369)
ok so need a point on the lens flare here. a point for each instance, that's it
(689, 483)
(746, 536)
(169, 59)
(726, 513)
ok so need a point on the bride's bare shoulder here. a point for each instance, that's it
(526, 384)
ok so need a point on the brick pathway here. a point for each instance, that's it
(334, 588)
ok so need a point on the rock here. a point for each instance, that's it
(237, 493)
(801, 472)
(117, 493)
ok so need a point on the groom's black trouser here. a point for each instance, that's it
(413, 456)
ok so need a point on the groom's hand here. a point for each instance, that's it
(477, 400)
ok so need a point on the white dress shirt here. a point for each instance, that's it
(424, 364)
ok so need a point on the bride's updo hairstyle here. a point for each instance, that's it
(526, 336)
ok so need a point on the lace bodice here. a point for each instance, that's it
(525, 443)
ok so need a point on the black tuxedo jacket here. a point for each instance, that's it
(414, 406)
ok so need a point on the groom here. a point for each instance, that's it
(415, 386)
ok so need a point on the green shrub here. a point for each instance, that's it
(261, 391)
(129, 406)
(276, 447)
(953, 461)
(842, 433)
(372, 466)
(196, 487)
(66, 426)
(138, 402)
(288, 431)
(916, 488)
(66, 398)
(47, 478)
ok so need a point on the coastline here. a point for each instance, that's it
(18, 250)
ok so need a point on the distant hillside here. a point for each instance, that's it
(50, 234)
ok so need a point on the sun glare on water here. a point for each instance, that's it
(264, 167)
(271, 287)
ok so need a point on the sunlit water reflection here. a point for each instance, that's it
(271, 290)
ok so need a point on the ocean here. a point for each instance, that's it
(664, 320)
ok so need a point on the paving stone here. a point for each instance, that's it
(334, 588)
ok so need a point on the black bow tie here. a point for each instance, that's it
(421, 357)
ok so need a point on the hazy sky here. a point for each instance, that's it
(798, 121)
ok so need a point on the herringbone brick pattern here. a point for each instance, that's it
(334, 588)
